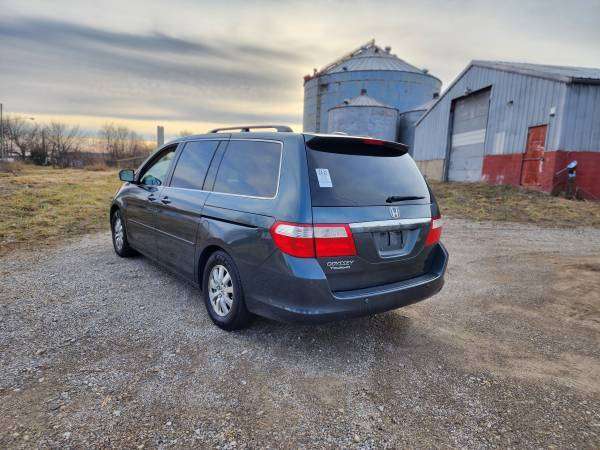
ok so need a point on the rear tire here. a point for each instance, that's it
(119, 236)
(223, 293)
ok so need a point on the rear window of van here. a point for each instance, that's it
(348, 173)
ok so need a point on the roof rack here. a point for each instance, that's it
(247, 128)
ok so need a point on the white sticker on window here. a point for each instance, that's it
(324, 178)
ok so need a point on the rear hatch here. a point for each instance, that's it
(376, 188)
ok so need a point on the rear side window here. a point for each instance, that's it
(363, 176)
(249, 168)
(193, 163)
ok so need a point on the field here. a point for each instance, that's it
(44, 206)
(482, 202)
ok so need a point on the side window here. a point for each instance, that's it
(193, 164)
(249, 168)
(155, 174)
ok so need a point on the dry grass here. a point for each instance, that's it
(40, 205)
(13, 167)
(480, 201)
(97, 166)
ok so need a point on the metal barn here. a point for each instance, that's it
(514, 123)
(388, 80)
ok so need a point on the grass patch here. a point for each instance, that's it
(42, 205)
(481, 201)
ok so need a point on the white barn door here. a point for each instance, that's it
(469, 123)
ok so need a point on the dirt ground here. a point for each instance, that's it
(101, 351)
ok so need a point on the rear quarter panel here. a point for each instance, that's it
(240, 225)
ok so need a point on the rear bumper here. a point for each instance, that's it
(304, 296)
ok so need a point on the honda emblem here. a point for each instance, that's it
(395, 212)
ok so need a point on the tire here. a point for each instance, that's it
(119, 236)
(224, 297)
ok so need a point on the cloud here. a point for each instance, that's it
(70, 68)
(226, 62)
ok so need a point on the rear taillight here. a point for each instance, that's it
(310, 241)
(334, 240)
(435, 231)
(294, 239)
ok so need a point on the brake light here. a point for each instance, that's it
(334, 240)
(309, 241)
(294, 239)
(435, 231)
(373, 142)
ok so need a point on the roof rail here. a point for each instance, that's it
(247, 128)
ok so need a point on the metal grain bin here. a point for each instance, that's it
(407, 122)
(364, 116)
(387, 78)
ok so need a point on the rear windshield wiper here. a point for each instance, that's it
(399, 198)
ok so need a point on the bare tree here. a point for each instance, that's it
(121, 142)
(64, 143)
(19, 135)
(38, 146)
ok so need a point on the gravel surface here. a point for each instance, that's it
(101, 351)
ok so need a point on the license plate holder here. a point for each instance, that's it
(389, 241)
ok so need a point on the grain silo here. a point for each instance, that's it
(364, 116)
(388, 80)
(407, 122)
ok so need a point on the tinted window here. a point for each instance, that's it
(193, 163)
(155, 174)
(249, 168)
(363, 177)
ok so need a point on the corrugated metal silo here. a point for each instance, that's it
(407, 122)
(364, 116)
(387, 78)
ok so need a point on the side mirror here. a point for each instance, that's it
(127, 175)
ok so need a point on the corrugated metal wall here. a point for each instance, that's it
(517, 102)
(581, 123)
(406, 128)
(373, 121)
(401, 90)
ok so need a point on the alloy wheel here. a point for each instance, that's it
(118, 232)
(220, 290)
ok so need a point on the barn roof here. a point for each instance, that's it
(565, 74)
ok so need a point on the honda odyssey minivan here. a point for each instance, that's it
(291, 226)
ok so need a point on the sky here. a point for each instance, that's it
(192, 65)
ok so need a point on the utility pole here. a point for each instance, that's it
(160, 135)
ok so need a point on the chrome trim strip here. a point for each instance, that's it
(382, 225)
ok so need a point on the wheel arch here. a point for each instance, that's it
(205, 255)
(113, 208)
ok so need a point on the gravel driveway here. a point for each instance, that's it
(98, 350)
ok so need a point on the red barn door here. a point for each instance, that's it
(533, 158)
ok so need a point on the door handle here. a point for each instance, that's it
(165, 200)
(152, 198)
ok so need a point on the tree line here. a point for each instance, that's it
(62, 145)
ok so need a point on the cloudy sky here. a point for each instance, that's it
(189, 64)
